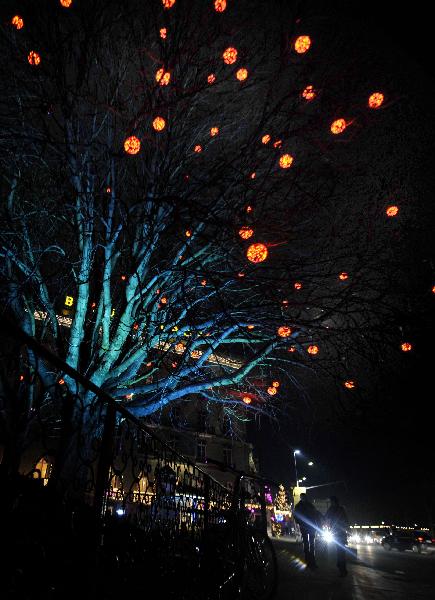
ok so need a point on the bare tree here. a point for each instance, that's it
(145, 146)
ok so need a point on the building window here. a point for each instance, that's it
(201, 451)
(228, 456)
(202, 420)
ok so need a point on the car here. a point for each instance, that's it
(427, 541)
(405, 540)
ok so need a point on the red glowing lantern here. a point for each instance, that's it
(284, 331)
(277, 144)
(17, 22)
(376, 100)
(249, 209)
(253, 175)
(214, 131)
(257, 253)
(230, 56)
(65, 3)
(203, 282)
(132, 145)
(265, 139)
(159, 123)
(286, 160)
(197, 149)
(349, 384)
(309, 93)
(246, 399)
(291, 349)
(338, 126)
(167, 4)
(297, 285)
(211, 78)
(33, 58)
(271, 390)
(392, 211)
(163, 33)
(406, 347)
(246, 232)
(313, 349)
(242, 74)
(302, 44)
(220, 5)
(343, 276)
(163, 77)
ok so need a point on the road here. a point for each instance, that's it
(375, 575)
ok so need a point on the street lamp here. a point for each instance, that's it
(296, 467)
(310, 464)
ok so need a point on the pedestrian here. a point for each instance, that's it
(337, 521)
(306, 516)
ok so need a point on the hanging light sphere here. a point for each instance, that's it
(302, 44)
(159, 123)
(271, 390)
(275, 384)
(230, 56)
(242, 74)
(343, 276)
(257, 253)
(406, 347)
(376, 100)
(313, 349)
(211, 78)
(286, 161)
(338, 126)
(33, 58)
(309, 93)
(246, 232)
(349, 384)
(65, 3)
(214, 131)
(17, 22)
(220, 5)
(392, 211)
(163, 33)
(197, 149)
(163, 77)
(167, 4)
(246, 399)
(132, 145)
(284, 331)
(265, 139)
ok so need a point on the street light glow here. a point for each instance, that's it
(310, 464)
(296, 451)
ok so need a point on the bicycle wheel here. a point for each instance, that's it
(260, 571)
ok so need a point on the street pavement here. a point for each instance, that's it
(374, 575)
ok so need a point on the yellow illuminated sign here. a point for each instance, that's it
(69, 300)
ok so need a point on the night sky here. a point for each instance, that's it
(380, 448)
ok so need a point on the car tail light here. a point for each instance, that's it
(420, 539)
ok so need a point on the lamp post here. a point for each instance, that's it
(296, 466)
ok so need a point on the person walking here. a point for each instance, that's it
(336, 519)
(306, 516)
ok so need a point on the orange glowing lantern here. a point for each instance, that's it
(163, 33)
(241, 274)
(297, 285)
(220, 5)
(343, 276)
(211, 78)
(291, 349)
(284, 331)
(242, 74)
(309, 93)
(277, 144)
(275, 384)
(188, 233)
(257, 253)
(338, 126)
(302, 44)
(433, 289)
(286, 160)
(313, 349)
(376, 100)
(230, 56)
(271, 390)
(33, 58)
(249, 209)
(250, 327)
(196, 354)
(163, 77)
(197, 149)
(253, 175)
(65, 3)
(167, 4)
(392, 211)
(159, 123)
(179, 348)
(406, 347)
(265, 139)
(246, 232)
(132, 145)
(203, 282)
(163, 300)
(349, 384)
(246, 399)
(214, 131)
(17, 22)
